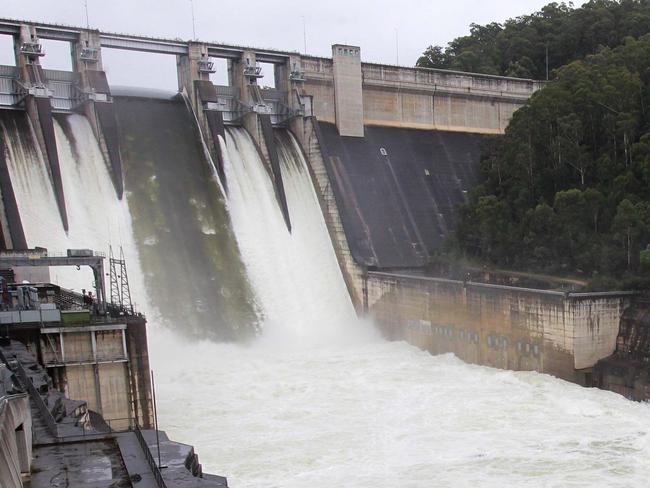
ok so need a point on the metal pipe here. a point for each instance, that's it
(155, 417)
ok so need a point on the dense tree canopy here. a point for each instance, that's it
(567, 188)
(558, 32)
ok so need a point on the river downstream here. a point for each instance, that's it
(386, 414)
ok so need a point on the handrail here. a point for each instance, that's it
(147, 454)
(518, 289)
(52, 425)
(36, 397)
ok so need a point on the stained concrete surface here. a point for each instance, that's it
(397, 189)
(97, 464)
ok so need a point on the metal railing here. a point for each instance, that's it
(50, 423)
(150, 460)
(68, 299)
(92, 433)
(59, 254)
(32, 49)
(61, 75)
(253, 71)
(29, 316)
(53, 427)
(9, 71)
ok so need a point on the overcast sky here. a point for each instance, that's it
(372, 25)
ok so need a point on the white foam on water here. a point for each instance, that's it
(386, 414)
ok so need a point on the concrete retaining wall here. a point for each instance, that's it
(15, 439)
(107, 366)
(93, 366)
(498, 326)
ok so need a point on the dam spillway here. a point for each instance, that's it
(303, 276)
(406, 181)
(181, 227)
(251, 290)
(96, 216)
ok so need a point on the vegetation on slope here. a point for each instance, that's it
(567, 189)
(519, 47)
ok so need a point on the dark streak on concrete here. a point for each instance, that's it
(397, 208)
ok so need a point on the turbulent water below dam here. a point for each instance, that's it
(380, 414)
(318, 399)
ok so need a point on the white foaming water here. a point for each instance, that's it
(311, 411)
(294, 275)
(386, 414)
(96, 218)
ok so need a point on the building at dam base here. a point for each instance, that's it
(76, 389)
(391, 152)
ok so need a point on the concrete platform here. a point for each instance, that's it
(97, 464)
(135, 461)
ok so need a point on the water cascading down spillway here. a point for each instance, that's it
(96, 217)
(192, 269)
(295, 273)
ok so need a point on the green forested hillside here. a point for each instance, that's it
(567, 189)
(519, 47)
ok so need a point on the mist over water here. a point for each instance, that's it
(319, 399)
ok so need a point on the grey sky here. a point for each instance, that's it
(275, 24)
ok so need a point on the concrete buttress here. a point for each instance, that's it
(37, 103)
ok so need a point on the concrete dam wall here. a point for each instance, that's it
(397, 189)
(187, 249)
(354, 94)
(389, 198)
(382, 211)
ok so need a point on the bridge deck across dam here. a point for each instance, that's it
(342, 89)
(140, 43)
